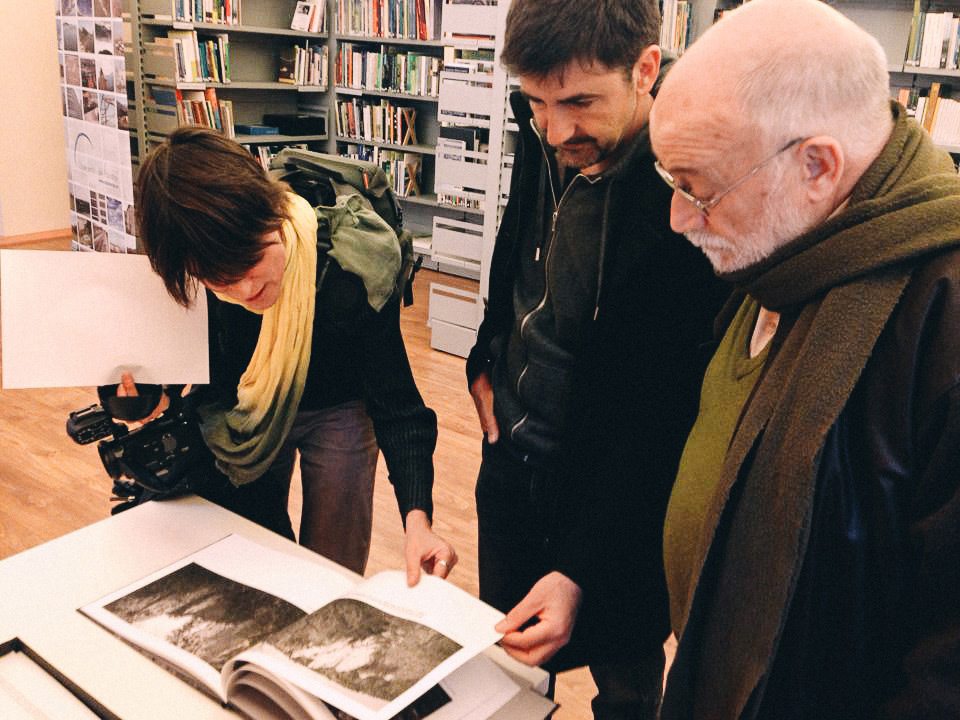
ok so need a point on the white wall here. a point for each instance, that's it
(33, 166)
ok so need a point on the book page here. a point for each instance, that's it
(199, 612)
(369, 649)
(373, 651)
(474, 691)
(261, 698)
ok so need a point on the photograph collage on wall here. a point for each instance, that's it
(91, 37)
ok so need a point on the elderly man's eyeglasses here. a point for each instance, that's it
(704, 206)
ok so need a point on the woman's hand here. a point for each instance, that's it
(425, 549)
(128, 388)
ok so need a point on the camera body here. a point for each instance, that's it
(91, 424)
(162, 458)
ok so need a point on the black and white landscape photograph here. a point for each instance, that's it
(365, 650)
(204, 613)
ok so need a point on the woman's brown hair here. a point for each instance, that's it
(204, 206)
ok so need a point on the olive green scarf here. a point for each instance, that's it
(246, 438)
(836, 287)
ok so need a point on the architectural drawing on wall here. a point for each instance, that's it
(93, 79)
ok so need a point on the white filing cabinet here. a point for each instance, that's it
(453, 317)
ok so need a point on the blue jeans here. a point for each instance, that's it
(338, 463)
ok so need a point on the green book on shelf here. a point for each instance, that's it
(912, 56)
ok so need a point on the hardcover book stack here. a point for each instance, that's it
(675, 28)
(200, 58)
(403, 169)
(305, 66)
(193, 107)
(937, 112)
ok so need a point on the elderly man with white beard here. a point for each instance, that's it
(812, 536)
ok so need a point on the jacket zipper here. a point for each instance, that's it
(546, 263)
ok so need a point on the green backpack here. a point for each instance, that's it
(322, 178)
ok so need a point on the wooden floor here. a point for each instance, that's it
(50, 486)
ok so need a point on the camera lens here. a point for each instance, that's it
(111, 452)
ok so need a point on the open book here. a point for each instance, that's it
(279, 636)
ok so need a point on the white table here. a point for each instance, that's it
(41, 589)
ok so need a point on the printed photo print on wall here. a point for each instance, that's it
(92, 36)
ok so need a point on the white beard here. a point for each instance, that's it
(777, 223)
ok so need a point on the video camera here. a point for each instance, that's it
(162, 458)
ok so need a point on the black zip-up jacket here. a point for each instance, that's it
(357, 354)
(634, 389)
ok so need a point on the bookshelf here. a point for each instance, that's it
(230, 68)
(918, 71)
(504, 133)
(378, 32)
(921, 42)
(888, 20)
(423, 95)
(471, 110)
(468, 105)
(385, 96)
(138, 140)
(405, 82)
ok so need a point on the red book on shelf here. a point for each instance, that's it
(211, 95)
(421, 21)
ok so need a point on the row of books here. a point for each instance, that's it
(387, 68)
(310, 16)
(403, 169)
(933, 40)
(461, 199)
(224, 12)
(675, 28)
(409, 19)
(381, 121)
(265, 153)
(305, 66)
(200, 58)
(194, 107)
(945, 122)
(936, 111)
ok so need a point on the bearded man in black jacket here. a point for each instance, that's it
(588, 361)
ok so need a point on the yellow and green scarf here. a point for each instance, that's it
(246, 438)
